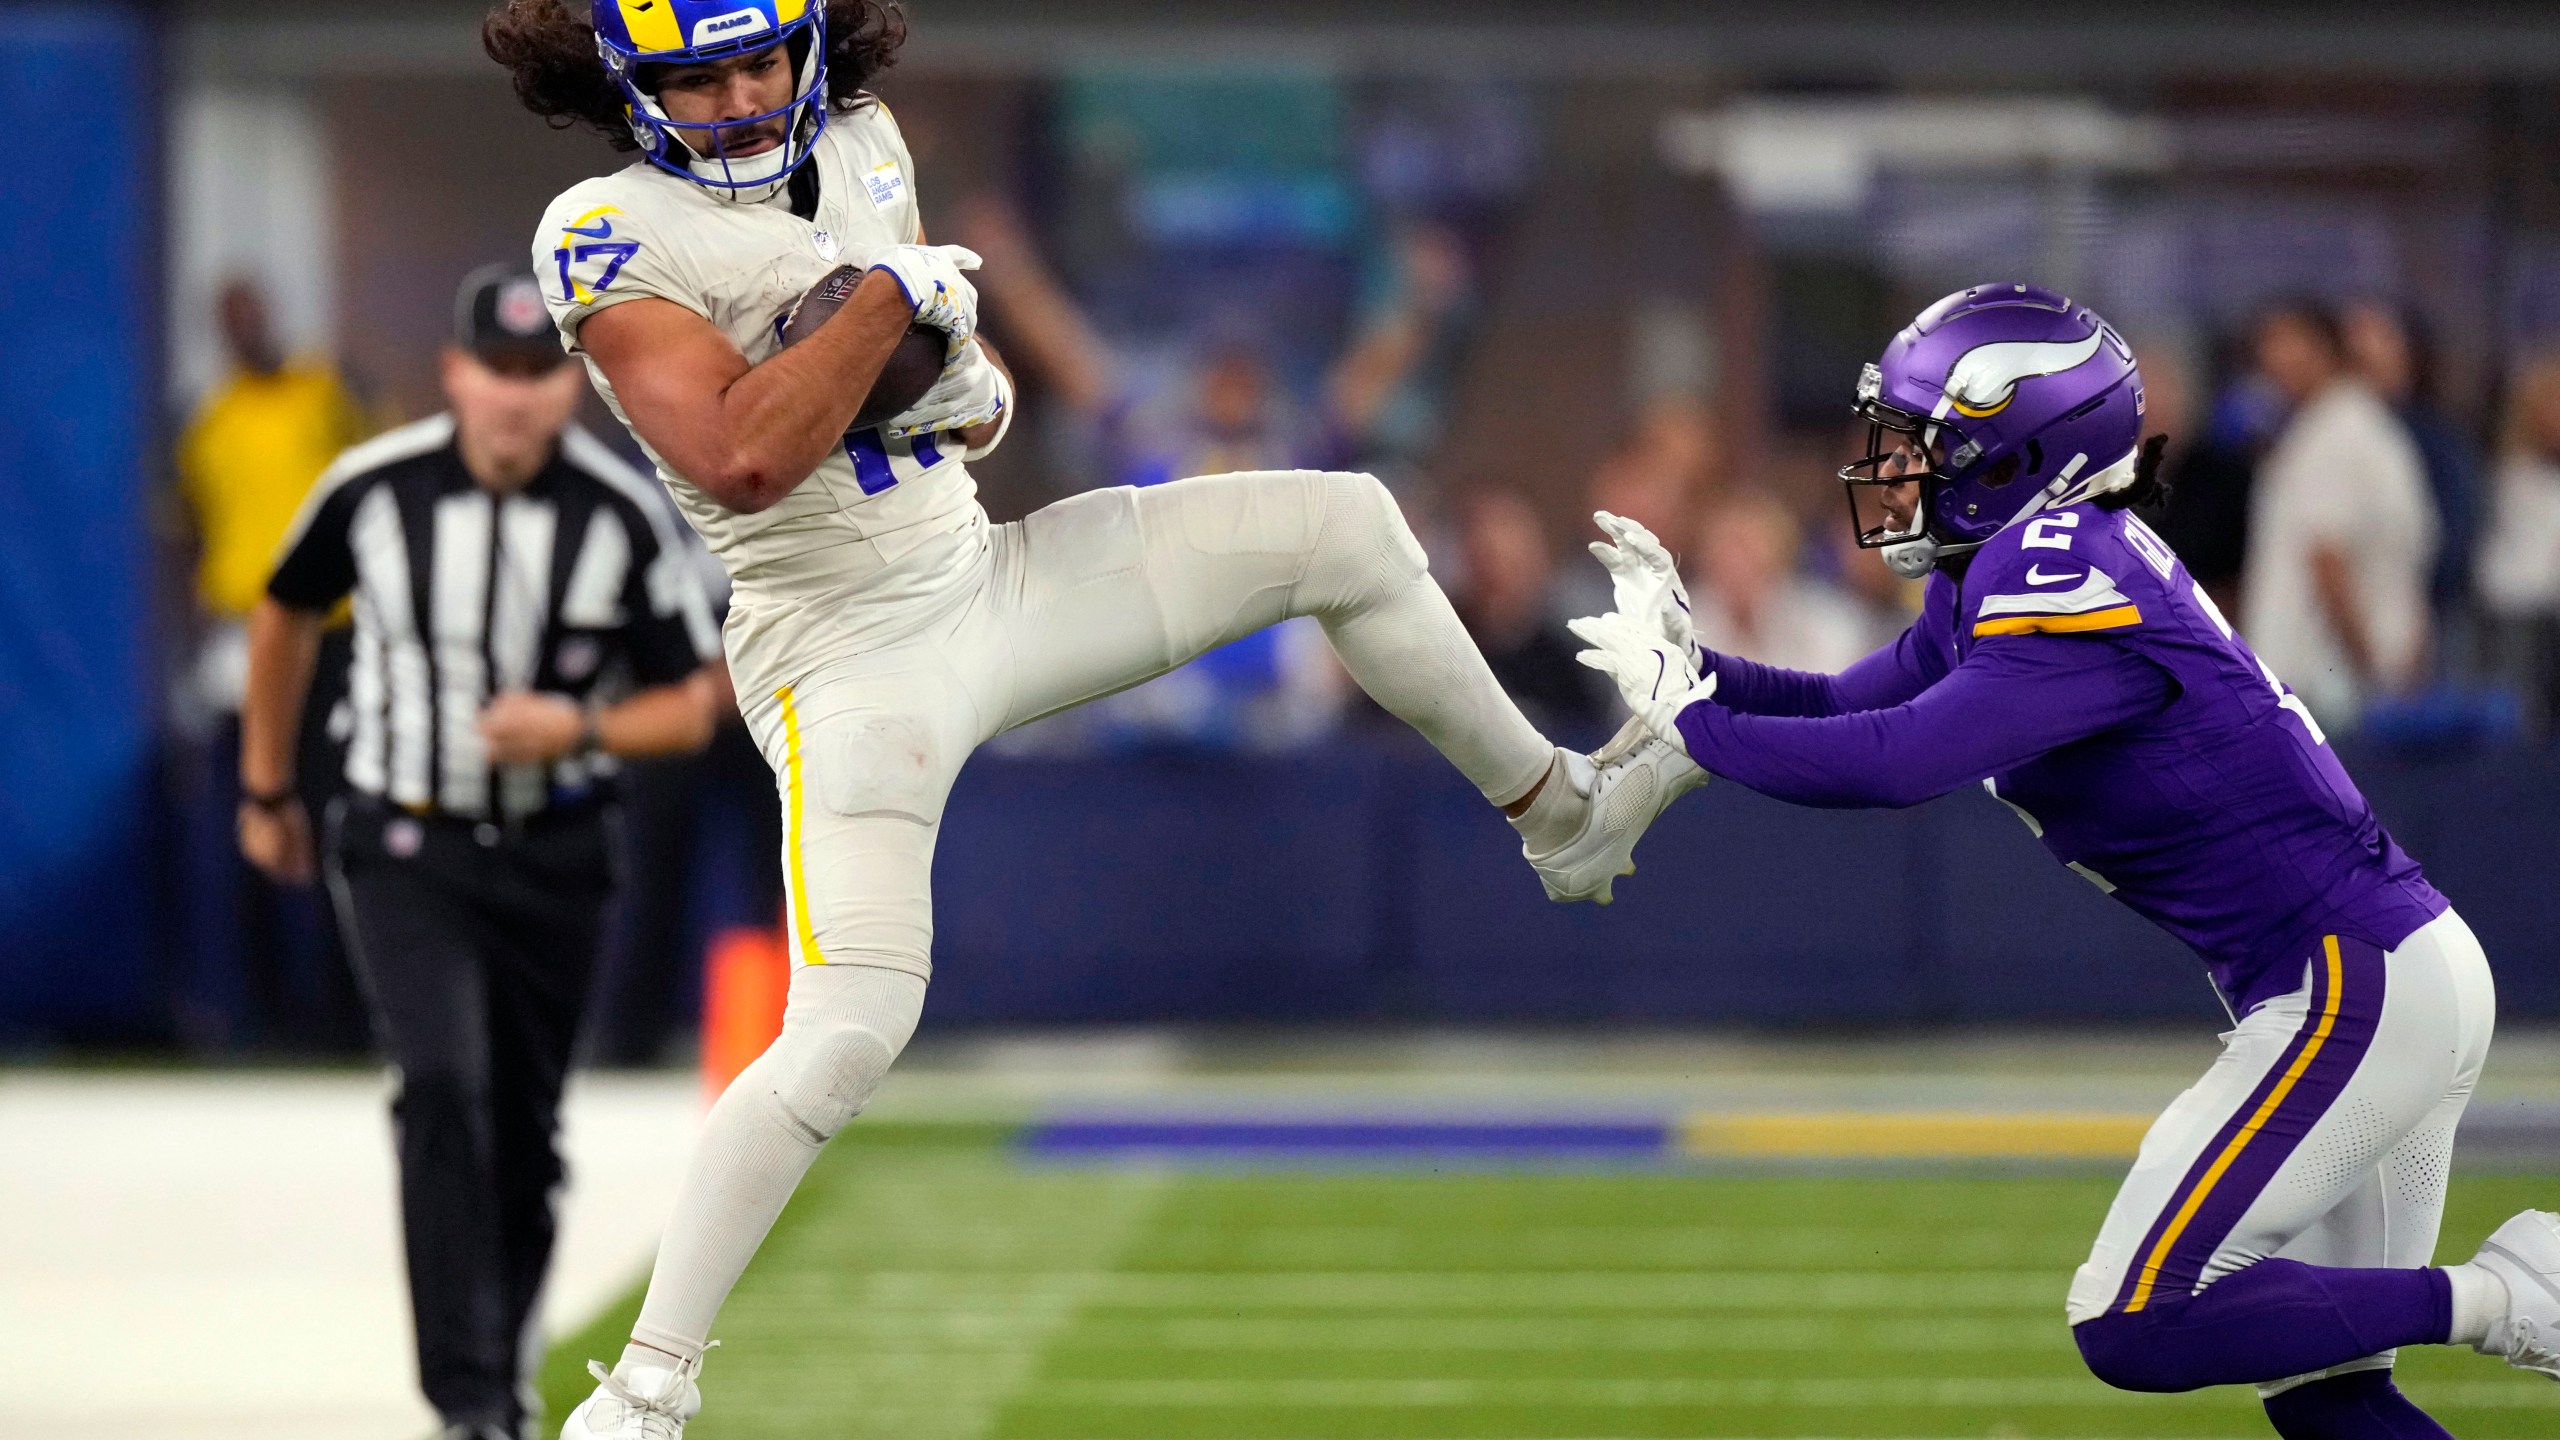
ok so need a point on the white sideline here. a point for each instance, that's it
(197, 1257)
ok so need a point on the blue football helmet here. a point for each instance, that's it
(635, 33)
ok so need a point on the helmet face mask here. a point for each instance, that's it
(638, 58)
(1903, 450)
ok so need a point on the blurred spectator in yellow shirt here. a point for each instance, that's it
(251, 451)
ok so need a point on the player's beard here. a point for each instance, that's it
(748, 179)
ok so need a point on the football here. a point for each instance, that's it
(911, 368)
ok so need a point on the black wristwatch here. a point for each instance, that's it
(590, 734)
(273, 802)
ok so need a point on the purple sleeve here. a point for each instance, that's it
(2007, 704)
(1890, 676)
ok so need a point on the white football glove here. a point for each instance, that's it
(971, 391)
(1658, 678)
(1645, 581)
(936, 291)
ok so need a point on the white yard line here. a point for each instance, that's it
(210, 1257)
(931, 1354)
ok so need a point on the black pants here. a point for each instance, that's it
(476, 947)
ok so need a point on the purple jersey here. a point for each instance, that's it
(2075, 670)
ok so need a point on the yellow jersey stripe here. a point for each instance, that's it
(653, 26)
(2114, 619)
(2231, 1152)
(794, 837)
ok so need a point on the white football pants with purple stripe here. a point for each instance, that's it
(2323, 1134)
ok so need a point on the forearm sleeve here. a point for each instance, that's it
(2007, 704)
(1888, 677)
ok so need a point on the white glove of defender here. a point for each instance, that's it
(1645, 582)
(936, 291)
(970, 392)
(1657, 677)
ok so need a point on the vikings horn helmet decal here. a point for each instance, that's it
(639, 40)
(1997, 402)
(1986, 379)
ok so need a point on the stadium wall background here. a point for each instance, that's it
(1369, 884)
(78, 307)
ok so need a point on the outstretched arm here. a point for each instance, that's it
(1645, 586)
(1891, 676)
(2009, 703)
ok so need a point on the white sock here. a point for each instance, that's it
(1417, 661)
(2479, 1303)
(844, 1026)
(1369, 584)
(1557, 814)
(750, 1158)
(636, 1356)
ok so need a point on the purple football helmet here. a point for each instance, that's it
(1999, 401)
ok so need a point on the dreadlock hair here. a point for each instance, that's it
(550, 48)
(2150, 488)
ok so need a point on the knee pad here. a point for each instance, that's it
(1364, 551)
(831, 1075)
(845, 1028)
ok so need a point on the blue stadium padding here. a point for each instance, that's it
(2487, 829)
(1370, 883)
(1743, 911)
(1169, 887)
(76, 321)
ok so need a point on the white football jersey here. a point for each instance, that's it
(886, 533)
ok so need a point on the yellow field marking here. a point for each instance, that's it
(1912, 1134)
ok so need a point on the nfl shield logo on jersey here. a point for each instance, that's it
(828, 246)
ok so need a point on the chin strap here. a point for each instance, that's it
(1912, 559)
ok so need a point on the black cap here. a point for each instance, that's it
(500, 317)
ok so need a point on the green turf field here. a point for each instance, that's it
(926, 1283)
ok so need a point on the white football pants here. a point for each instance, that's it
(1086, 597)
(2323, 1133)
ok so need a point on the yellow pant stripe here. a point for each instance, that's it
(794, 836)
(2231, 1152)
(2114, 619)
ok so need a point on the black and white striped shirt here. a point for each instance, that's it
(573, 584)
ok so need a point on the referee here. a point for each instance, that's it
(521, 621)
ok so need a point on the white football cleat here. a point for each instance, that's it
(1634, 778)
(639, 1402)
(2525, 1254)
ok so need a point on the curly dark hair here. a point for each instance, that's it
(550, 49)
